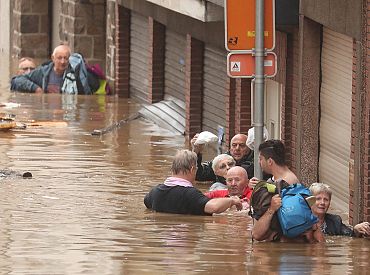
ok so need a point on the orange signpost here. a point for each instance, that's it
(243, 65)
(240, 24)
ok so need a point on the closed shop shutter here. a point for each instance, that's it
(214, 85)
(139, 57)
(335, 120)
(175, 68)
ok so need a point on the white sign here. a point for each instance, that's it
(235, 66)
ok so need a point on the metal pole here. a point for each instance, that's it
(259, 86)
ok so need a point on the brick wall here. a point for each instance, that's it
(122, 48)
(232, 86)
(194, 61)
(157, 35)
(289, 125)
(366, 149)
(30, 29)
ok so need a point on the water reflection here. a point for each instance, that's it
(83, 212)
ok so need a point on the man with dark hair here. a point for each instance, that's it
(272, 161)
(177, 194)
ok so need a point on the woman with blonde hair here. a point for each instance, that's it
(332, 224)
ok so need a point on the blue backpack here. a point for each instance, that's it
(295, 215)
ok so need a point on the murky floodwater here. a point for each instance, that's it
(83, 212)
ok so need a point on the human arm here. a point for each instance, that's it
(31, 82)
(362, 229)
(219, 205)
(261, 229)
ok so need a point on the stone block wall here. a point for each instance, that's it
(83, 28)
(30, 23)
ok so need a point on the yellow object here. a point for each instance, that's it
(101, 90)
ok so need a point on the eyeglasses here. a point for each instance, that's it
(230, 164)
(28, 68)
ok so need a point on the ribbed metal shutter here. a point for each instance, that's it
(335, 121)
(175, 68)
(139, 57)
(214, 85)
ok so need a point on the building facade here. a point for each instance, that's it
(171, 54)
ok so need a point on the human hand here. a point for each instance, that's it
(252, 182)
(275, 203)
(39, 90)
(196, 148)
(237, 202)
(362, 229)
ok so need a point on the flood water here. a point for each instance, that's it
(82, 212)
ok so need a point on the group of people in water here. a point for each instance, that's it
(65, 72)
(233, 183)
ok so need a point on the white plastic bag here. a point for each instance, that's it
(206, 137)
(250, 139)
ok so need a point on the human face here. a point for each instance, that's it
(223, 166)
(60, 60)
(238, 147)
(236, 181)
(322, 204)
(26, 66)
(264, 163)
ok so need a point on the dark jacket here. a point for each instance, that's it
(335, 226)
(206, 173)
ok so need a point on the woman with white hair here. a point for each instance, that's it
(220, 165)
(332, 224)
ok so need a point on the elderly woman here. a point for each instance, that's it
(329, 223)
(220, 165)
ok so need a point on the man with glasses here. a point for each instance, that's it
(55, 76)
(26, 65)
(239, 150)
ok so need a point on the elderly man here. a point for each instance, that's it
(26, 65)
(332, 224)
(237, 185)
(55, 76)
(177, 194)
(239, 150)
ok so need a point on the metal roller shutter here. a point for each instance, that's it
(214, 84)
(175, 68)
(335, 121)
(139, 57)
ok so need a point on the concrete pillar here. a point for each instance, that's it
(308, 100)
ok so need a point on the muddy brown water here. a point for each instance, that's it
(83, 213)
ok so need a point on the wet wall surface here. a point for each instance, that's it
(82, 211)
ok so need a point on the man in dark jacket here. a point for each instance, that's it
(239, 150)
(55, 76)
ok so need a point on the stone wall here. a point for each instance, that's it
(30, 23)
(83, 28)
